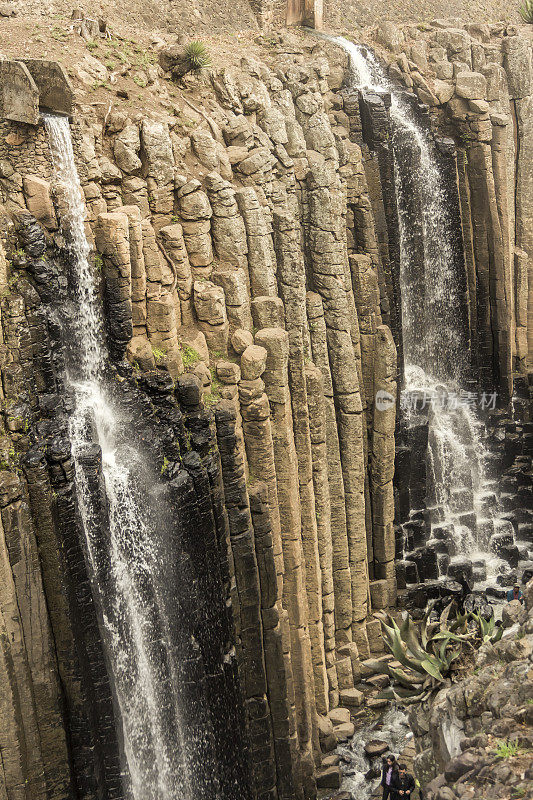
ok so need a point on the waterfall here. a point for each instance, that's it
(123, 550)
(435, 339)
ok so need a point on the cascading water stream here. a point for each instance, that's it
(125, 573)
(434, 337)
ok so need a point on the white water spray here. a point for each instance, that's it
(135, 628)
(434, 352)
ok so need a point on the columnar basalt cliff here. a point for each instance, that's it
(246, 259)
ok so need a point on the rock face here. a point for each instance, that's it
(474, 739)
(478, 84)
(249, 279)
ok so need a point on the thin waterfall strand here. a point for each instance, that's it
(133, 630)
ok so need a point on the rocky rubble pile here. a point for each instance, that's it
(475, 738)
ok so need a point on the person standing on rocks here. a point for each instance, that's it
(387, 774)
(403, 784)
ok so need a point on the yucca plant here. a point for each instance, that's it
(197, 57)
(526, 11)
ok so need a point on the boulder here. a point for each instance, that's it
(253, 362)
(344, 731)
(471, 85)
(339, 715)
(38, 201)
(390, 36)
(443, 91)
(19, 95)
(328, 778)
(375, 748)
(512, 613)
(173, 59)
(351, 697)
(240, 340)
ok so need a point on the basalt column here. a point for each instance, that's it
(327, 256)
(276, 343)
(291, 278)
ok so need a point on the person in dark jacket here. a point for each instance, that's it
(403, 784)
(389, 768)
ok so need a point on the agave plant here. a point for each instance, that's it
(197, 56)
(489, 630)
(526, 11)
(426, 654)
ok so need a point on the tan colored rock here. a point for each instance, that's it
(261, 255)
(344, 731)
(174, 268)
(228, 231)
(38, 201)
(234, 282)
(339, 715)
(443, 91)
(210, 309)
(352, 698)
(240, 340)
(379, 594)
(253, 362)
(340, 555)
(471, 85)
(389, 35)
(276, 343)
(268, 312)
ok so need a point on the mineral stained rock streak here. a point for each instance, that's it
(120, 540)
(435, 338)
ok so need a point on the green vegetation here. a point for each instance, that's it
(214, 395)
(140, 81)
(506, 749)
(197, 57)
(159, 354)
(164, 465)
(189, 356)
(488, 630)
(428, 652)
(526, 11)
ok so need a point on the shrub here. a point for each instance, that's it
(526, 11)
(197, 56)
(506, 749)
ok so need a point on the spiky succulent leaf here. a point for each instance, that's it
(399, 693)
(432, 669)
(526, 11)
(445, 615)
(399, 676)
(197, 56)
(448, 636)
